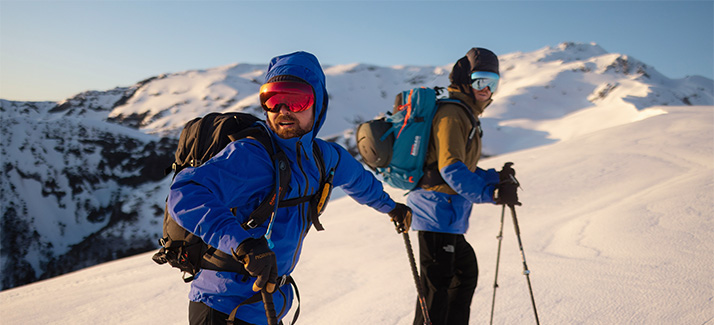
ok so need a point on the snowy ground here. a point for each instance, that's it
(617, 227)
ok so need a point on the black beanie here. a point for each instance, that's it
(477, 59)
(286, 77)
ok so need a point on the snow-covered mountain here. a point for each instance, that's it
(570, 84)
(76, 190)
(84, 180)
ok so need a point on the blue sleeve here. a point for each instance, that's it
(477, 187)
(359, 183)
(200, 198)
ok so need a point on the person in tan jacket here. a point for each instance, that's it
(442, 202)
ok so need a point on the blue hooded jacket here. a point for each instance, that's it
(242, 175)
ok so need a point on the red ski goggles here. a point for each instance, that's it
(296, 96)
(483, 79)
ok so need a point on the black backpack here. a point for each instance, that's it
(203, 138)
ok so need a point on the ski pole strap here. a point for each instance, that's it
(297, 295)
(253, 299)
(258, 297)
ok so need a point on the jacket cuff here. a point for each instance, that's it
(475, 186)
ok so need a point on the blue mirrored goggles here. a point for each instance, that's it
(483, 79)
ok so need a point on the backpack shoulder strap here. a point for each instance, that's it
(325, 181)
(280, 161)
(319, 159)
(475, 124)
(317, 200)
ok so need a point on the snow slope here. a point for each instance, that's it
(617, 226)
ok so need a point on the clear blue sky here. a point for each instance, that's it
(51, 50)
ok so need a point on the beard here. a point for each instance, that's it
(294, 132)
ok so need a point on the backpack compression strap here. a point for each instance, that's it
(317, 200)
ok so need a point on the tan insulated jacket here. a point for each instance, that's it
(449, 137)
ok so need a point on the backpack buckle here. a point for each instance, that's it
(282, 280)
(251, 224)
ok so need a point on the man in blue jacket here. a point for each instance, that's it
(451, 185)
(295, 99)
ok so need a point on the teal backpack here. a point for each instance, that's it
(395, 145)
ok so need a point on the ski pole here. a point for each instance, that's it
(415, 273)
(269, 307)
(498, 259)
(526, 272)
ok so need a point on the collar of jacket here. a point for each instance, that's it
(290, 146)
(477, 107)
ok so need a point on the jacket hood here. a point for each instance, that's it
(306, 67)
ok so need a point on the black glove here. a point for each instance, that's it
(402, 217)
(259, 261)
(507, 189)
